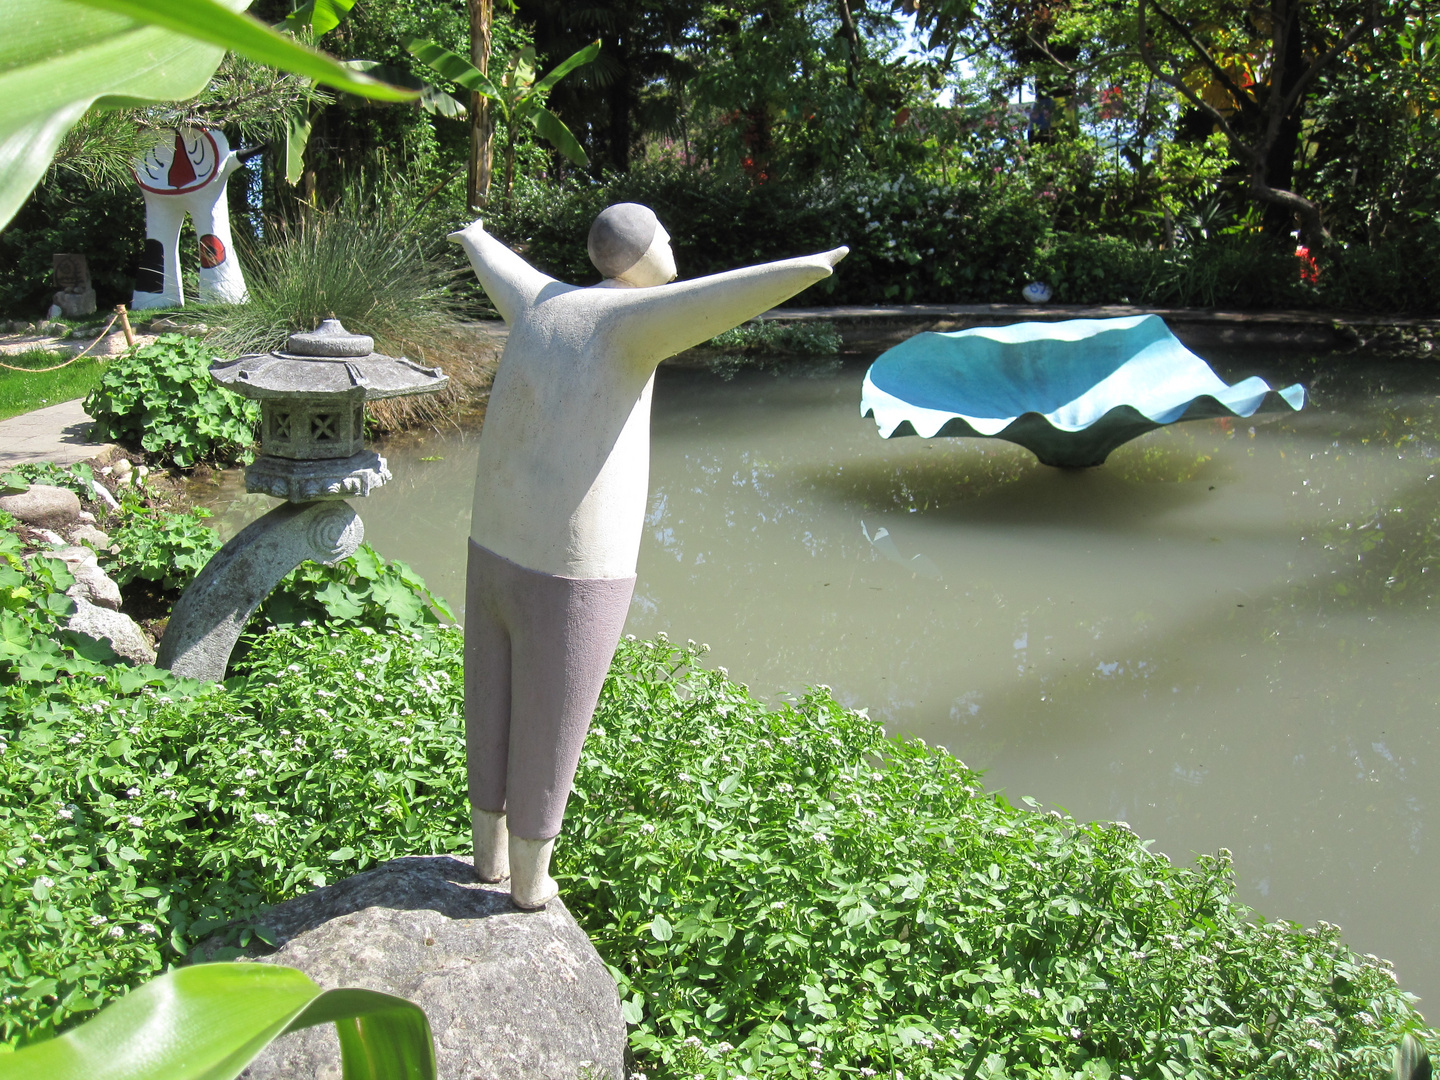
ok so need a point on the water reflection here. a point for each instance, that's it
(1224, 636)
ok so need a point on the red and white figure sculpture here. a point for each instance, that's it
(185, 173)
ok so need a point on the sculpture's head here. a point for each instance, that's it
(629, 245)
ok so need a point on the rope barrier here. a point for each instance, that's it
(67, 363)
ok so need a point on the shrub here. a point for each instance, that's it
(160, 398)
(976, 239)
(363, 589)
(160, 546)
(781, 892)
(771, 336)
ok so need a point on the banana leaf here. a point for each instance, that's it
(209, 1021)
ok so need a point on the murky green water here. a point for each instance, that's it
(1229, 636)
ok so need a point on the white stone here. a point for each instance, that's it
(121, 631)
(91, 583)
(44, 506)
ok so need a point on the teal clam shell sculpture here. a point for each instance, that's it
(1070, 392)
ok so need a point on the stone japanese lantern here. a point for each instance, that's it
(312, 440)
(312, 411)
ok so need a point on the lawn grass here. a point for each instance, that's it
(24, 391)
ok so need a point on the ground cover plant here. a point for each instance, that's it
(28, 389)
(780, 892)
(160, 398)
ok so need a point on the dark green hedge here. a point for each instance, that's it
(974, 242)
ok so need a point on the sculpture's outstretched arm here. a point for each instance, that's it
(511, 283)
(663, 320)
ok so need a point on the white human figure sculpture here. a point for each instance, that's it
(560, 504)
(187, 175)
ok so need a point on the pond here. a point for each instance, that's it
(1226, 636)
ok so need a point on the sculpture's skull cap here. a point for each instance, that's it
(620, 237)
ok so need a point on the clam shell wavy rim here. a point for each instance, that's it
(1070, 392)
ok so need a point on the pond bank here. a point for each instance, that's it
(866, 327)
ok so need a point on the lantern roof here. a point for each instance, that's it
(326, 361)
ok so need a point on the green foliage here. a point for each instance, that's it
(781, 892)
(160, 398)
(33, 610)
(108, 227)
(209, 1021)
(139, 813)
(77, 477)
(770, 336)
(161, 546)
(364, 589)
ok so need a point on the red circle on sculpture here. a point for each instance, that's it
(182, 167)
(212, 251)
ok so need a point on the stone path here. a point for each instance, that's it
(55, 434)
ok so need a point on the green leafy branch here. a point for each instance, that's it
(518, 96)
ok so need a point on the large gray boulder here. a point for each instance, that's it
(510, 994)
(43, 506)
(121, 632)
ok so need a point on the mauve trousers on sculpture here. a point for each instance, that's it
(537, 648)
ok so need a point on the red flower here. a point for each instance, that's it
(1309, 268)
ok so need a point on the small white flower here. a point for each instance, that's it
(249, 773)
(116, 931)
(721, 1047)
(295, 668)
(777, 905)
(340, 754)
(322, 714)
(817, 1065)
(360, 676)
(135, 822)
(784, 789)
(1075, 1033)
(98, 920)
(694, 1041)
(240, 791)
(324, 693)
(132, 793)
(404, 740)
(264, 819)
(64, 814)
(407, 712)
(1031, 991)
(45, 882)
(820, 838)
(647, 827)
(147, 928)
(683, 777)
(37, 838)
(867, 1072)
(134, 731)
(74, 740)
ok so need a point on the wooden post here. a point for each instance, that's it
(125, 324)
(482, 118)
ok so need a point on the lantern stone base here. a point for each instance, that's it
(307, 481)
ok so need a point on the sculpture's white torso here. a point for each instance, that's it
(565, 451)
(564, 467)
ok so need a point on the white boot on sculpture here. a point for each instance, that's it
(187, 175)
(492, 849)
